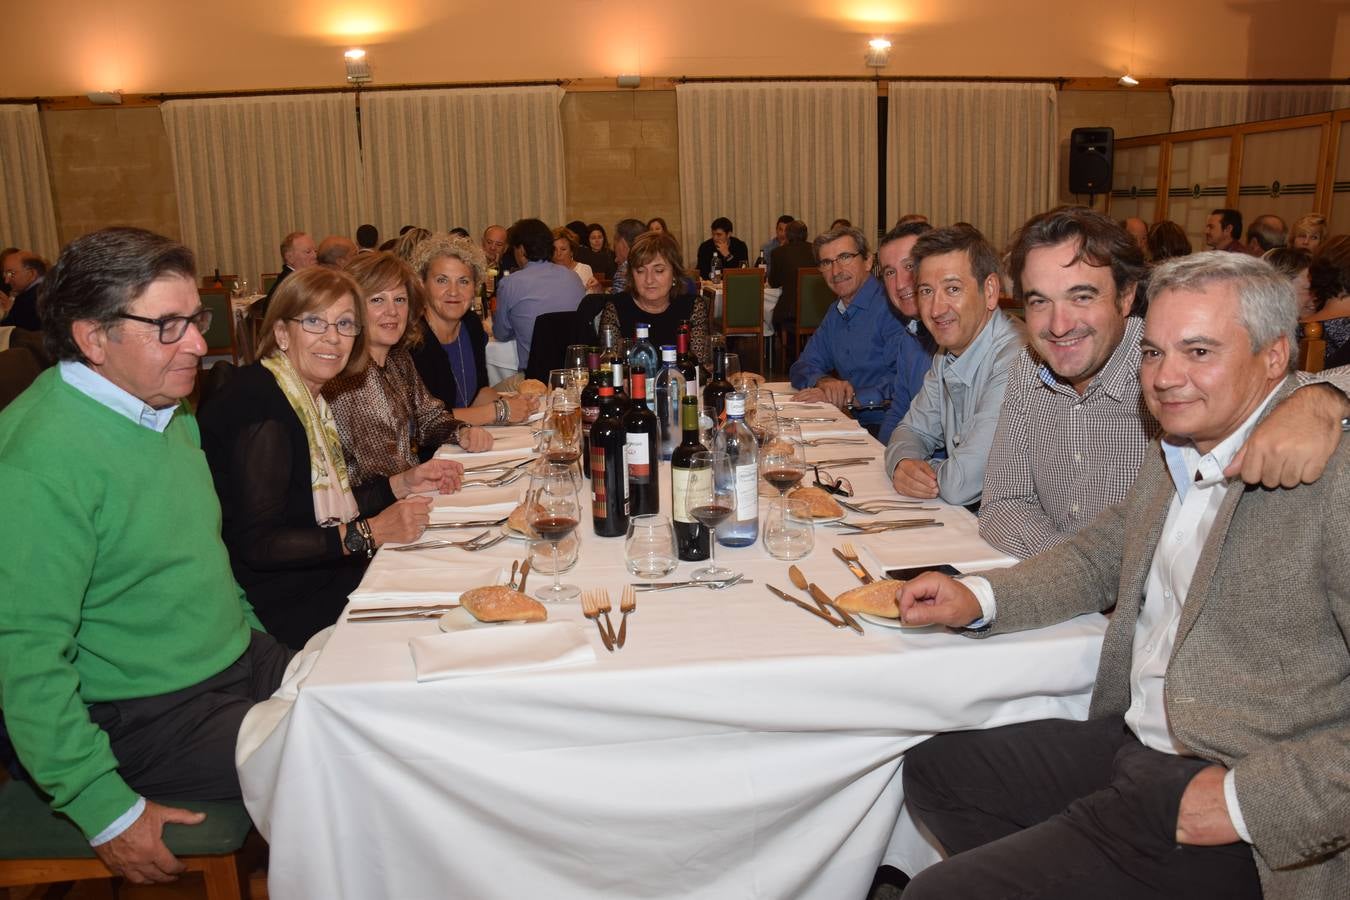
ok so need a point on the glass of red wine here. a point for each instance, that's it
(712, 500)
(553, 514)
(782, 457)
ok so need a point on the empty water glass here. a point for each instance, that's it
(649, 548)
(788, 529)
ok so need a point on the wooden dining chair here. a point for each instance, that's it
(267, 280)
(220, 336)
(814, 299)
(743, 308)
(222, 281)
(1312, 349)
(38, 846)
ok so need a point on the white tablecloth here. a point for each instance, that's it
(737, 747)
(501, 361)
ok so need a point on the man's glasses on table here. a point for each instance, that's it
(840, 487)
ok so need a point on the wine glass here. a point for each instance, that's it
(553, 514)
(734, 369)
(576, 355)
(240, 287)
(783, 456)
(761, 412)
(712, 500)
(561, 442)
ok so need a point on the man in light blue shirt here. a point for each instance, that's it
(957, 409)
(779, 239)
(539, 286)
(850, 358)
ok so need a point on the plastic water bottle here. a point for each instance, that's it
(669, 389)
(736, 439)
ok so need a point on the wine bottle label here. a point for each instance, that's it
(747, 492)
(589, 414)
(598, 496)
(636, 452)
(686, 483)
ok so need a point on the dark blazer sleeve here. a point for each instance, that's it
(433, 367)
(705, 256)
(478, 335)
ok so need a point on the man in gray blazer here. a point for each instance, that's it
(1214, 761)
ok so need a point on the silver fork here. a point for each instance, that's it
(590, 608)
(498, 480)
(480, 541)
(602, 596)
(874, 507)
(821, 442)
(850, 554)
(627, 604)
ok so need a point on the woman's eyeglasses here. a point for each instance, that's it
(319, 325)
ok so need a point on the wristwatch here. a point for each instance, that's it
(357, 540)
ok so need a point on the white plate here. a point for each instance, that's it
(513, 534)
(460, 619)
(825, 520)
(891, 623)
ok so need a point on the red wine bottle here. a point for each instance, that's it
(590, 411)
(715, 393)
(692, 538)
(642, 450)
(685, 359)
(609, 482)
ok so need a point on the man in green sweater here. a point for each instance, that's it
(128, 654)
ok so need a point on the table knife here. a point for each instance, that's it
(824, 599)
(784, 595)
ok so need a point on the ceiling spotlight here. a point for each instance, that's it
(358, 69)
(878, 53)
(105, 98)
(1128, 80)
(629, 81)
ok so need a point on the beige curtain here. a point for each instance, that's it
(1210, 105)
(471, 157)
(752, 152)
(251, 169)
(27, 217)
(983, 153)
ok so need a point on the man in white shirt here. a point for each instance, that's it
(1213, 762)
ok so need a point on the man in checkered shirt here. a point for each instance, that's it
(1073, 428)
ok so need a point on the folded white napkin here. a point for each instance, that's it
(507, 440)
(500, 648)
(444, 512)
(470, 501)
(395, 578)
(842, 428)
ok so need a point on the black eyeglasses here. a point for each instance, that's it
(838, 260)
(319, 325)
(839, 486)
(172, 328)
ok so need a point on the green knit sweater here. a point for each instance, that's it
(114, 583)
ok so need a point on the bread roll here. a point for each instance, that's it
(819, 501)
(519, 520)
(498, 603)
(880, 598)
(532, 387)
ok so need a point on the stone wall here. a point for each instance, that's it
(110, 167)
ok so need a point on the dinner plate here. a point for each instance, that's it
(460, 619)
(513, 534)
(825, 520)
(891, 623)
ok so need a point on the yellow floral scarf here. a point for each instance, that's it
(333, 499)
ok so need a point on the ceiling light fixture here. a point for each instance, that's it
(878, 53)
(105, 98)
(358, 69)
(1128, 80)
(629, 81)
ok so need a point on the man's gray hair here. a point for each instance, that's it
(841, 231)
(1267, 305)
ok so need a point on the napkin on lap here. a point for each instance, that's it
(411, 582)
(452, 508)
(500, 648)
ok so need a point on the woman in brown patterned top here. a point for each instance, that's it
(385, 416)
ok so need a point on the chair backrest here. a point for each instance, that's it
(223, 281)
(18, 369)
(553, 332)
(743, 301)
(268, 279)
(814, 298)
(1312, 350)
(220, 336)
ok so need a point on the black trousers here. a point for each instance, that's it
(1061, 809)
(181, 744)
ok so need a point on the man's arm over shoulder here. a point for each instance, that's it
(1011, 516)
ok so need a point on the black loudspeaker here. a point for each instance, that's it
(1091, 152)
